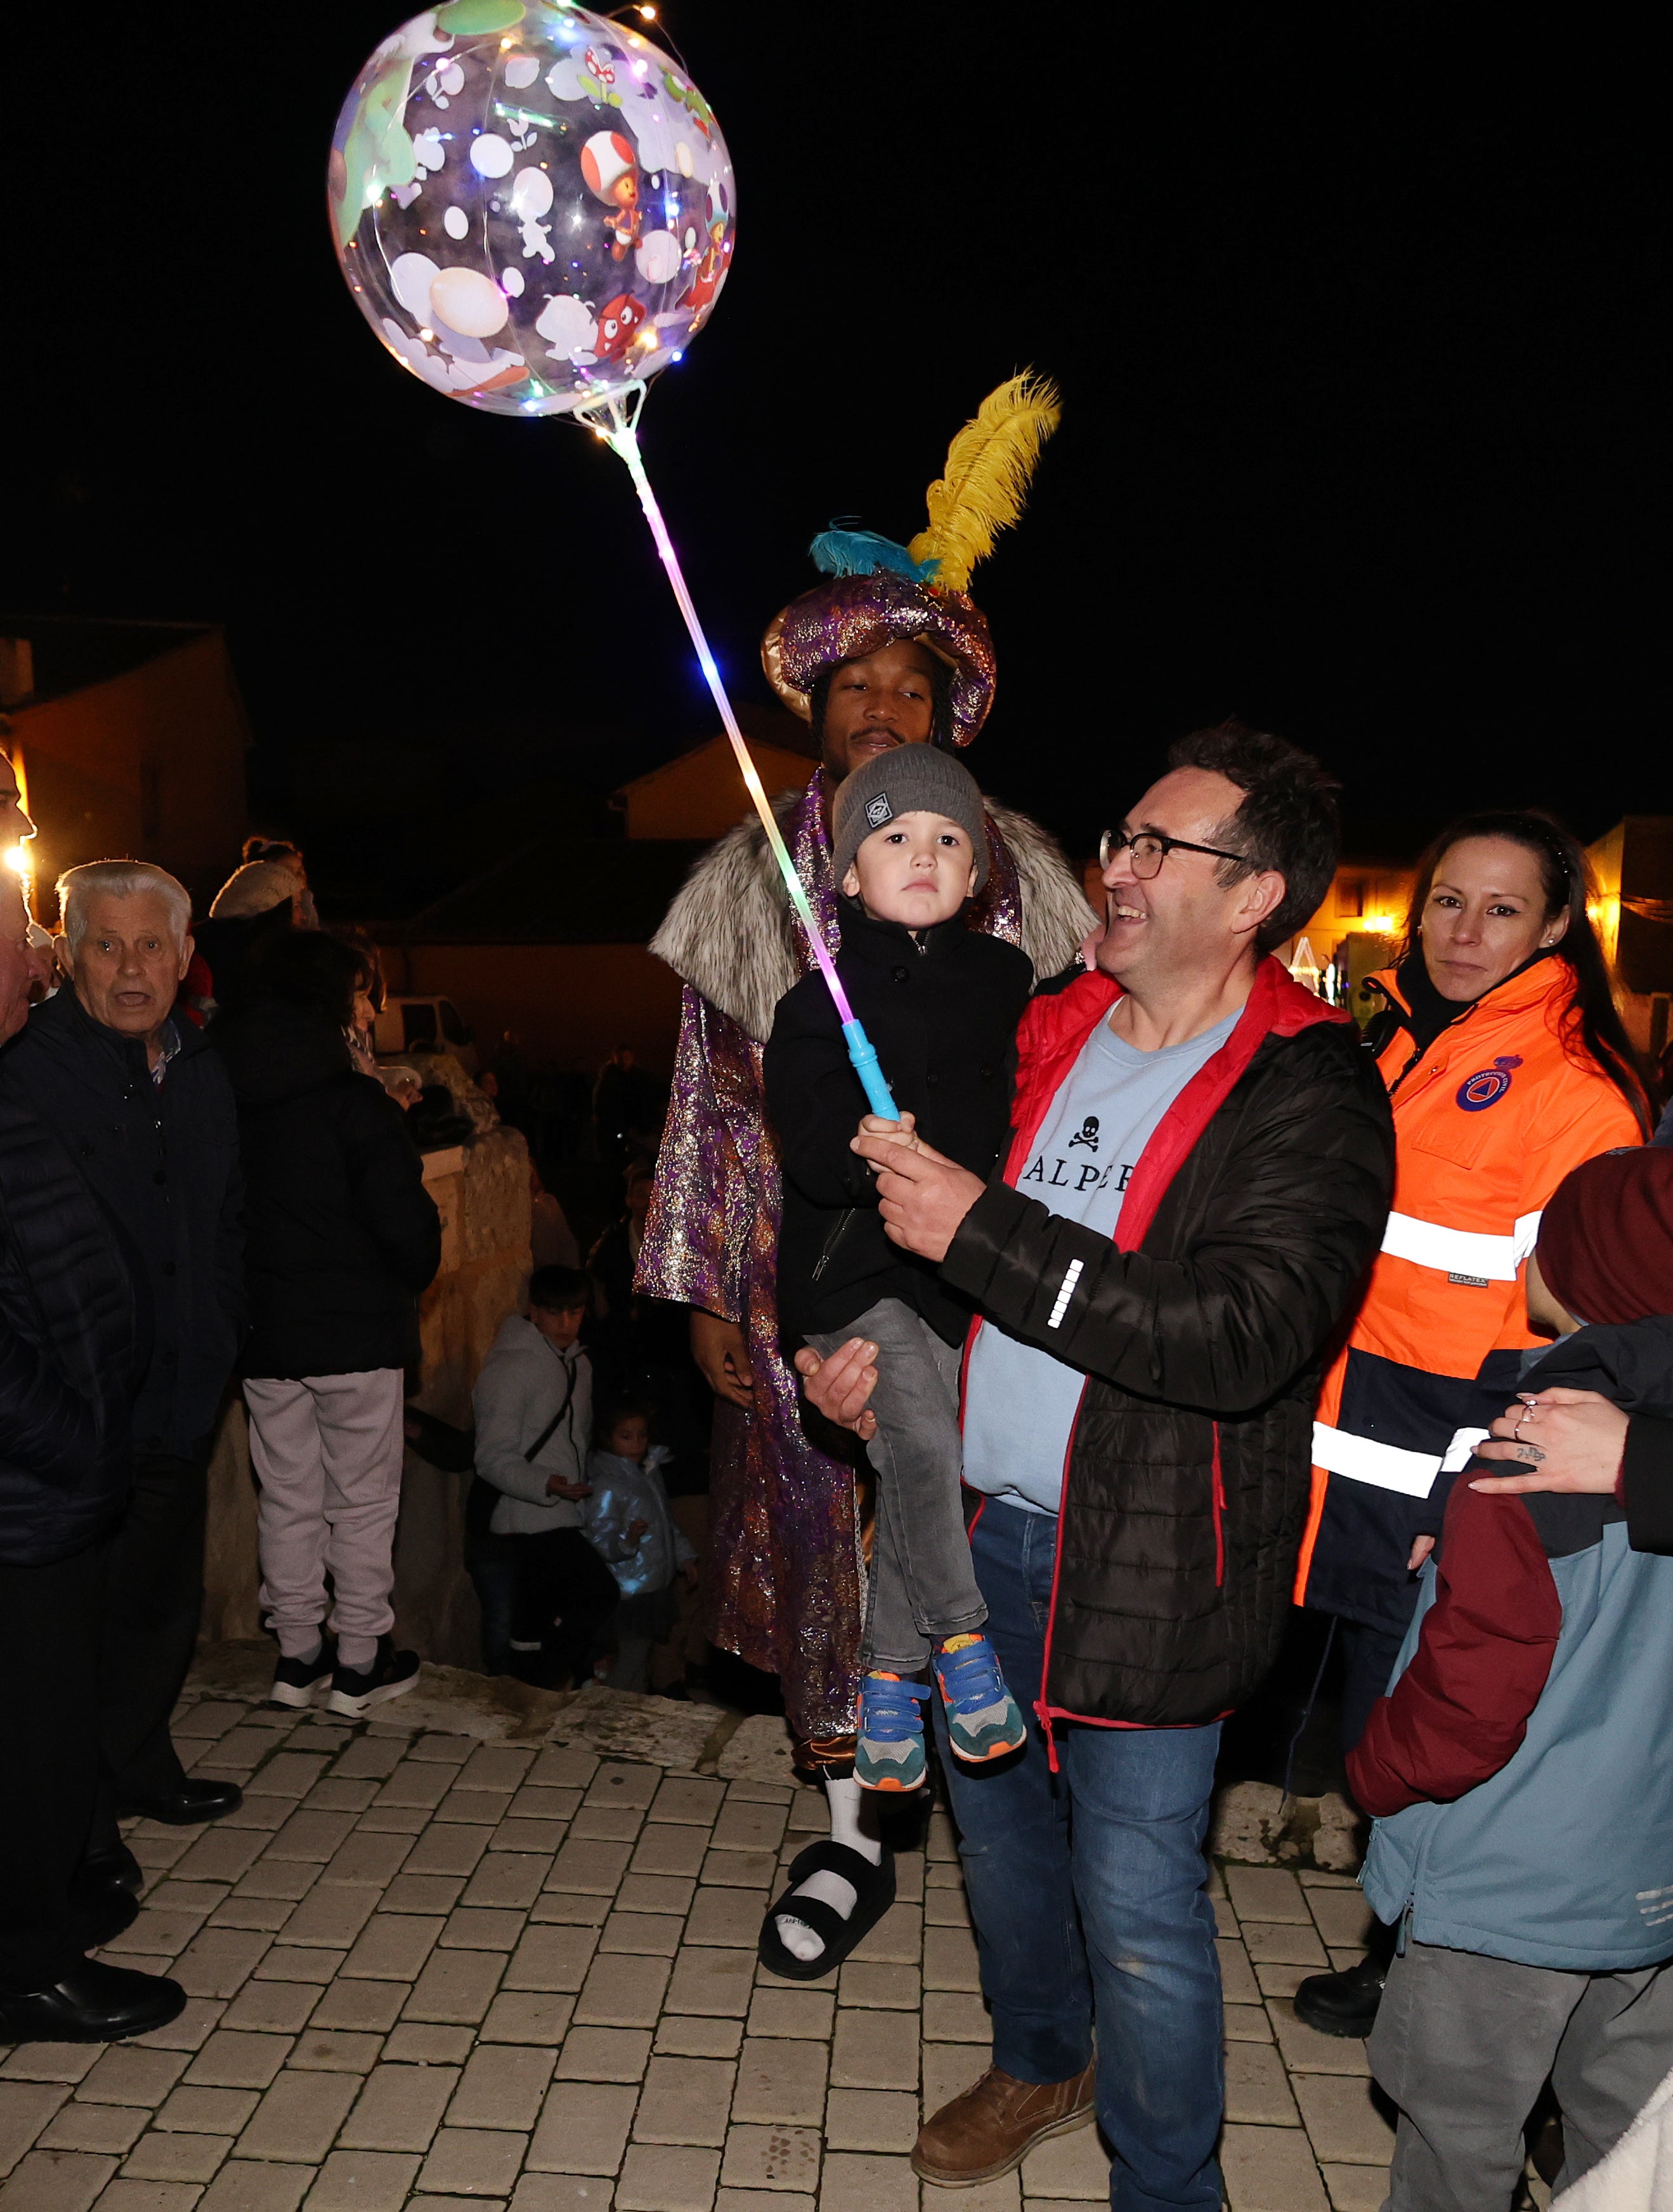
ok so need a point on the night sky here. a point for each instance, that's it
(1360, 333)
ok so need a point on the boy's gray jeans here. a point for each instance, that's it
(1463, 2044)
(923, 1585)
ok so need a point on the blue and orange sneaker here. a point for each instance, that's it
(889, 1755)
(983, 1719)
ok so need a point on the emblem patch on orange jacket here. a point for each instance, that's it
(1486, 1088)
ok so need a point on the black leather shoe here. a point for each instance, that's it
(104, 1911)
(187, 1802)
(119, 1865)
(92, 2003)
(105, 1893)
(1344, 2003)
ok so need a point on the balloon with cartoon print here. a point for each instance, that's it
(533, 205)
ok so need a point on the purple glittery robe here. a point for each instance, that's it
(783, 1576)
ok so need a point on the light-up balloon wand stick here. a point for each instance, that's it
(617, 425)
(533, 205)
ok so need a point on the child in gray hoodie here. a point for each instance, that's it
(545, 1593)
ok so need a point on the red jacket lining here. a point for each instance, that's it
(1053, 1032)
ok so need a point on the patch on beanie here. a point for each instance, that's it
(878, 810)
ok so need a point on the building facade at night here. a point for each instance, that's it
(130, 740)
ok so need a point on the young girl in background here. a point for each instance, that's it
(629, 1524)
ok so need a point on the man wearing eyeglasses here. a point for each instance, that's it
(1201, 1172)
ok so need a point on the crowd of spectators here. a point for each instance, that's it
(212, 1187)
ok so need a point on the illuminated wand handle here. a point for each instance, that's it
(617, 428)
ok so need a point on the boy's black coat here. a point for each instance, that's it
(340, 1233)
(942, 1011)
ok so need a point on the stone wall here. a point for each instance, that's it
(481, 1192)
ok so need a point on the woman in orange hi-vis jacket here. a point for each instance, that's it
(1506, 1065)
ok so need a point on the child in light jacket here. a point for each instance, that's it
(1519, 1764)
(545, 1593)
(629, 1526)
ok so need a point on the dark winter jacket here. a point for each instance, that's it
(74, 1333)
(1248, 1225)
(1640, 1365)
(162, 1158)
(227, 944)
(341, 1234)
(1518, 1815)
(941, 1010)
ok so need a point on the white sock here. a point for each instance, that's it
(357, 1653)
(847, 1802)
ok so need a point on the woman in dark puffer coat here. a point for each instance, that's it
(340, 1237)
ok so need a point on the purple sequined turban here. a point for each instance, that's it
(850, 616)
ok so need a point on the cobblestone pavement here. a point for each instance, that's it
(428, 1971)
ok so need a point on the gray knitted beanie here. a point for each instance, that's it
(909, 780)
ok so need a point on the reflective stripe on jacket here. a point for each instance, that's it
(1487, 1122)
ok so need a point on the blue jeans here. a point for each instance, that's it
(1087, 1890)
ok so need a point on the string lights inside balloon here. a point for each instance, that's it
(534, 207)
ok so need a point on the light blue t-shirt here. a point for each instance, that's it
(1020, 1402)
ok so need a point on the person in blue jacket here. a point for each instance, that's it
(1524, 1845)
(629, 1526)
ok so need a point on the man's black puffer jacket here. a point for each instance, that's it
(74, 1345)
(1188, 1477)
(340, 1233)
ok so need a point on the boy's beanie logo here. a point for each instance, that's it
(878, 810)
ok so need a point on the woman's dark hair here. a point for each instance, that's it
(306, 968)
(1591, 1019)
(1286, 821)
(371, 963)
(941, 691)
(270, 848)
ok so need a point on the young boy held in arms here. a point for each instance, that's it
(941, 1004)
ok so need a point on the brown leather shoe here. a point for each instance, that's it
(991, 2128)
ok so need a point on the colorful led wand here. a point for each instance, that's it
(617, 425)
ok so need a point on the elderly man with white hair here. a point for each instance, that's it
(69, 1331)
(145, 1109)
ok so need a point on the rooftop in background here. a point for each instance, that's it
(43, 657)
(557, 890)
(699, 793)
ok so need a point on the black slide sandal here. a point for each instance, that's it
(874, 1888)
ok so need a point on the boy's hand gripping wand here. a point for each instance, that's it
(617, 426)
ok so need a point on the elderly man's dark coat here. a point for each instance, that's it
(163, 1159)
(73, 1344)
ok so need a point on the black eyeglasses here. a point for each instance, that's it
(1149, 848)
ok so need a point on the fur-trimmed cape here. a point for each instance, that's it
(731, 935)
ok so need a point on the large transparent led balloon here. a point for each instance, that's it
(533, 204)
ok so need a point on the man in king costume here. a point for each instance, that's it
(889, 650)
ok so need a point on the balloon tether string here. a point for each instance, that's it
(617, 424)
